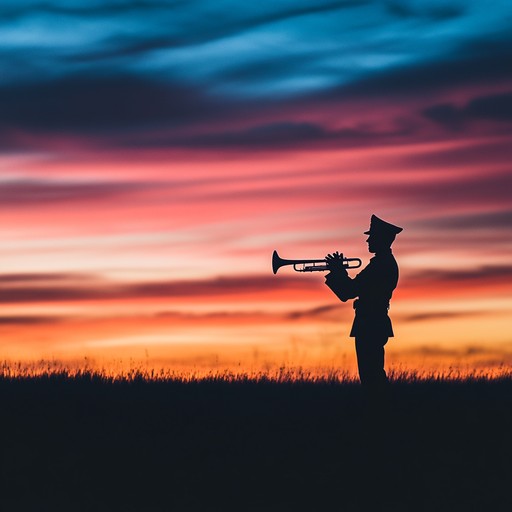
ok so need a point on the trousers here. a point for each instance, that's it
(370, 361)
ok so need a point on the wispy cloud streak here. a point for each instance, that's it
(29, 288)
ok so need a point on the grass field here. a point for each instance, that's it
(80, 440)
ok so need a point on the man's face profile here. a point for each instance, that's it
(371, 244)
(378, 243)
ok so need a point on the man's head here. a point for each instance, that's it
(381, 234)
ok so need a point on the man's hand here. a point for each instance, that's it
(335, 262)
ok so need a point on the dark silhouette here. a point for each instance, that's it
(373, 287)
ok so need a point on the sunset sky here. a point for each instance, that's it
(154, 154)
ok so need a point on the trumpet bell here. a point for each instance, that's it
(277, 262)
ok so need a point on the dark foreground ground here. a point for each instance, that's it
(87, 444)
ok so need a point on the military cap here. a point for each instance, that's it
(381, 227)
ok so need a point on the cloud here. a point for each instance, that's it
(313, 312)
(497, 107)
(464, 351)
(468, 222)
(486, 153)
(50, 277)
(440, 315)
(219, 20)
(123, 36)
(176, 317)
(469, 64)
(155, 87)
(250, 317)
(447, 115)
(146, 110)
(120, 79)
(268, 67)
(98, 289)
(85, 103)
(213, 287)
(490, 190)
(270, 135)
(430, 10)
(278, 135)
(27, 320)
(18, 193)
(131, 111)
(16, 295)
(482, 274)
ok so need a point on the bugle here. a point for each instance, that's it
(310, 265)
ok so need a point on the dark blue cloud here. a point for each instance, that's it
(87, 102)
(432, 10)
(496, 107)
(127, 72)
(278, 135)
(468, 65)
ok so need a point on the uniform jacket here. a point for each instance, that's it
(373, 286)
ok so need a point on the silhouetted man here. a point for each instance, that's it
(373, 287)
